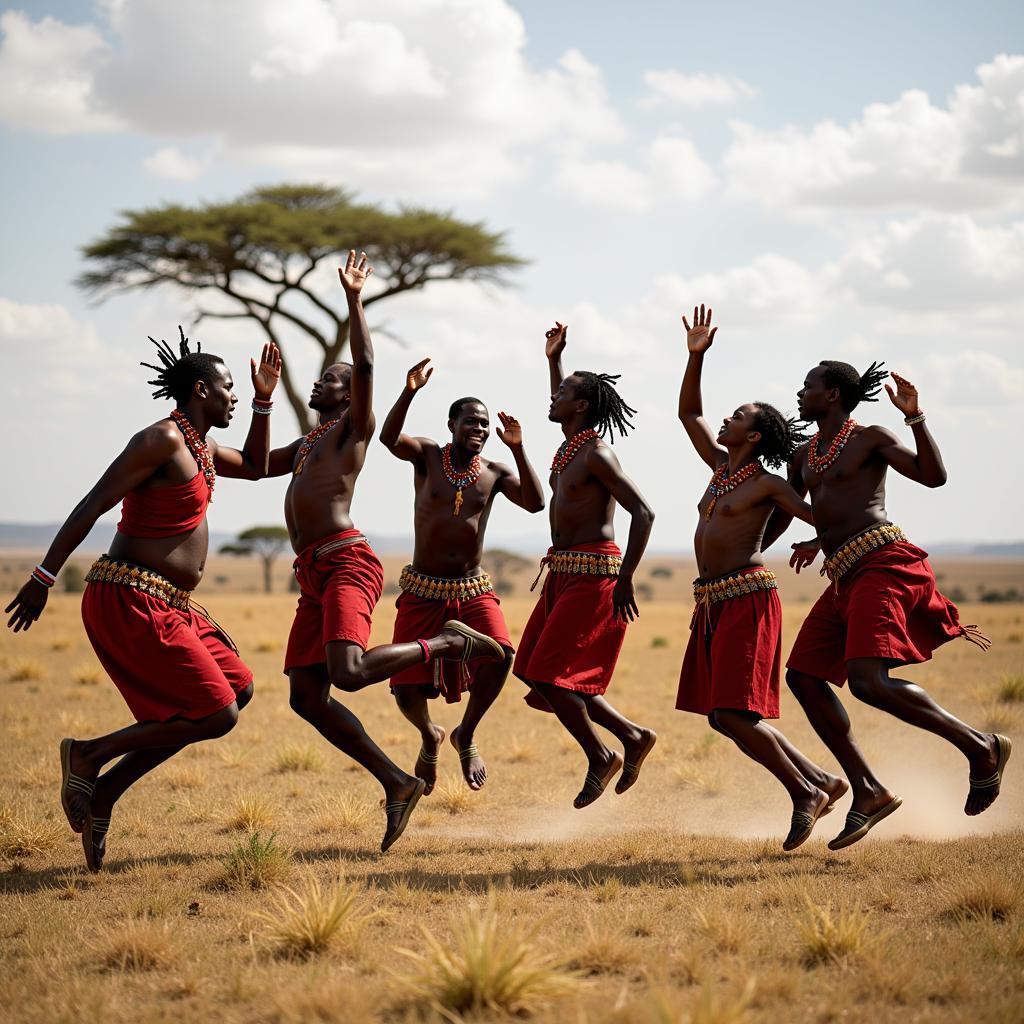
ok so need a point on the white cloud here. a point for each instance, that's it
(907, 154)
(435, 97)
(695, 90)
(672, 171)
(170, 162)
(973, 378)
(47, 76)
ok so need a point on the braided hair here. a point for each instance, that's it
(607, 412)
(780, 435)
(174, 379)
(854, 387)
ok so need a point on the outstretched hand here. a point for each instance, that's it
(700, 336)
(510, 432)
(555, 343)
(355, 272)
(27, 606)
(905, 396)
(266, 376)
(804, 554)
(418, 376)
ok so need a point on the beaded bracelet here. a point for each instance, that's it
(262, 406)
(43, 576)
(913, 420)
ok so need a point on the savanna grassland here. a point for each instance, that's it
(243, 880)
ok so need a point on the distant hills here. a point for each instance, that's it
(37, 536)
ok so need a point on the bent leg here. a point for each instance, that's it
(488, 682)
(637, 741)
(413, 704)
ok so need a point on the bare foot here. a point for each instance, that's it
(836, 788)
(426, 762)
(473, 768)
(987, 775)
(599, 774)
(399, 803)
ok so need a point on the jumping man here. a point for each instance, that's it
(881, 608)
(177, 670)
(340, 578)
(572, 640)
(455, 489)
(732, 664)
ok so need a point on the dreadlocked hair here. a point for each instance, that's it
(780, 435)
(854, 387)
(174, 379)
(608, 412)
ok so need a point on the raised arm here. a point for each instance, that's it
(924, 466)
(403, 446)
(691, 409)
(251, 463)
(553, 348)
(524, 490)
(605, 466)
(145, 453)
(360, 411)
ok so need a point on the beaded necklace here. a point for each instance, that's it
(309, 440)
(569, 448)
(819, 463)
(459, 478)
(197, 447)
(722, 482)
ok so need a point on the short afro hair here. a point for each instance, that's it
(456, 406)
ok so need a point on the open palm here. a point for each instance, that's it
(355, 272)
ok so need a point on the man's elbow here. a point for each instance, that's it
(536, 506)
(645, 514)
(938, 479)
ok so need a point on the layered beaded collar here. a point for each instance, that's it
(569, 449)
(310, 440)
(819, 463)
(723, 482)
(459, 478)
(198, 448)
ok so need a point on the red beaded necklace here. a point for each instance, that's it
(309, 440)
(197, 447)
(569, 448)
(819, 463)
(723, 482)
(459, 479)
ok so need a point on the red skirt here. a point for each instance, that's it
(420, 618)
(573, 637)
(734, 656)
(167, 663)
(887, 606)
(337, 595)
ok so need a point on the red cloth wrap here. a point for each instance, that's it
(420, 618)
(166, 662)
(165, 511)
(887, 606)
(337, 595)
(573, 637)
(734, 660)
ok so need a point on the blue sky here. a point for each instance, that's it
(841, 181)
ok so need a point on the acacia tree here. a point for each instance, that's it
(265, 542)
(256, 255)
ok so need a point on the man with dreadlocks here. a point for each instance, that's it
(572, 640)
(340, 578)
(455, 490)
(881, 608)
(177, 670)
(732, 664)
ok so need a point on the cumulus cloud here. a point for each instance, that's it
(967, 155)
(438, 95)
(672, 171)
(974, 378)
(170, 162)
(694, 90)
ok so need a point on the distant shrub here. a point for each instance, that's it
(1000, 596)
(659, 641)
(645, 591)
(72, 579)
(390, 589)
(662, 572)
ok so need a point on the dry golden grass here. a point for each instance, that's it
(87, 675)
(298, 757)
(670, 898)
(24, 670)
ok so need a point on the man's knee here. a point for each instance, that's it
(867, 683)
(244, 696)
(345, 667)
(220, 723)
(803, 686)
(306, 701)
(348, 680)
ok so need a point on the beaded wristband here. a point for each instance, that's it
(426, 650)
(263, 408)
(913, 420)
(43, 576)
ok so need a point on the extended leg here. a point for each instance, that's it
(413, 703)
(871, 683)
(488, 682)
(637, 742)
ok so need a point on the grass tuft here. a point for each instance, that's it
(1011, 690)
(24, 835)
(453, 796)
(308, 920)
(252, 812)
(488, 964)
(987, 896)
(298, 757)
(829, 937)
(87, 675)
(255, 864)
(347, 812)
(26, 670)
(136, 945)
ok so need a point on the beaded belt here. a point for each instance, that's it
(723, 588)
(579, 563)
(107, 570)
(843, 559)
(333, 545)
(444, 588)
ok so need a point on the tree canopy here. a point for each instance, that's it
(265, 542)
(258, 252)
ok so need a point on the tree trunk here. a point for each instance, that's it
(268, 562)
